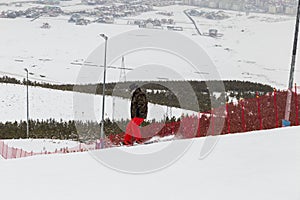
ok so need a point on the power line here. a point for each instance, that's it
(95, 65)
(33, 77)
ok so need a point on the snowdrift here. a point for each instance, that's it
(254, 165)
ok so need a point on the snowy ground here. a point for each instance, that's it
(40, 145)
(257, 47)
(253, 47)
(55, 104)
(51, 51)
(256, 165)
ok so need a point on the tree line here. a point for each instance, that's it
(83, 131)
(162, 92)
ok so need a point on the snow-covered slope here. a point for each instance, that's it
(52, 51)
(257, 165)
(253, 47)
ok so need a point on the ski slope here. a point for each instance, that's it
(256, 165)
(249, 166)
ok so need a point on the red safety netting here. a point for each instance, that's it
(262, 112)
(8, 152)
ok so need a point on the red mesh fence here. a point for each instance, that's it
(10, 152)
(262, 112)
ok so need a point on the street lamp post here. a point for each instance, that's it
(27, 105)
(292, 70)
(103, 93)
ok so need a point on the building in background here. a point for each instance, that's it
(288, 7)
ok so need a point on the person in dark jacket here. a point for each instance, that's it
(138, 111)
(139, 104)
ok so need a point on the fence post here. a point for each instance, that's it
(276, 109)
(199, 131)
(296, 104)
(228, 118)
(6, 152)
(2, 153)
(259, 111)
(212, 121)
(13, 152)
(243, 115)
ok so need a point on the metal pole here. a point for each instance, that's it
(243, 115)
(275, 107)
(259, 112)
(296, 105)
(228, 117)
(113, 107)
(27, 105)
(292, 70)
(103, 94)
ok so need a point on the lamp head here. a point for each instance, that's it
(103, 36)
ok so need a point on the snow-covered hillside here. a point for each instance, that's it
(252, 48)
(55, 104)
(257, 47)
(256, 165)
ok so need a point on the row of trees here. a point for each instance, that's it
(53, 129)
(169, 93)
(39, 129)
